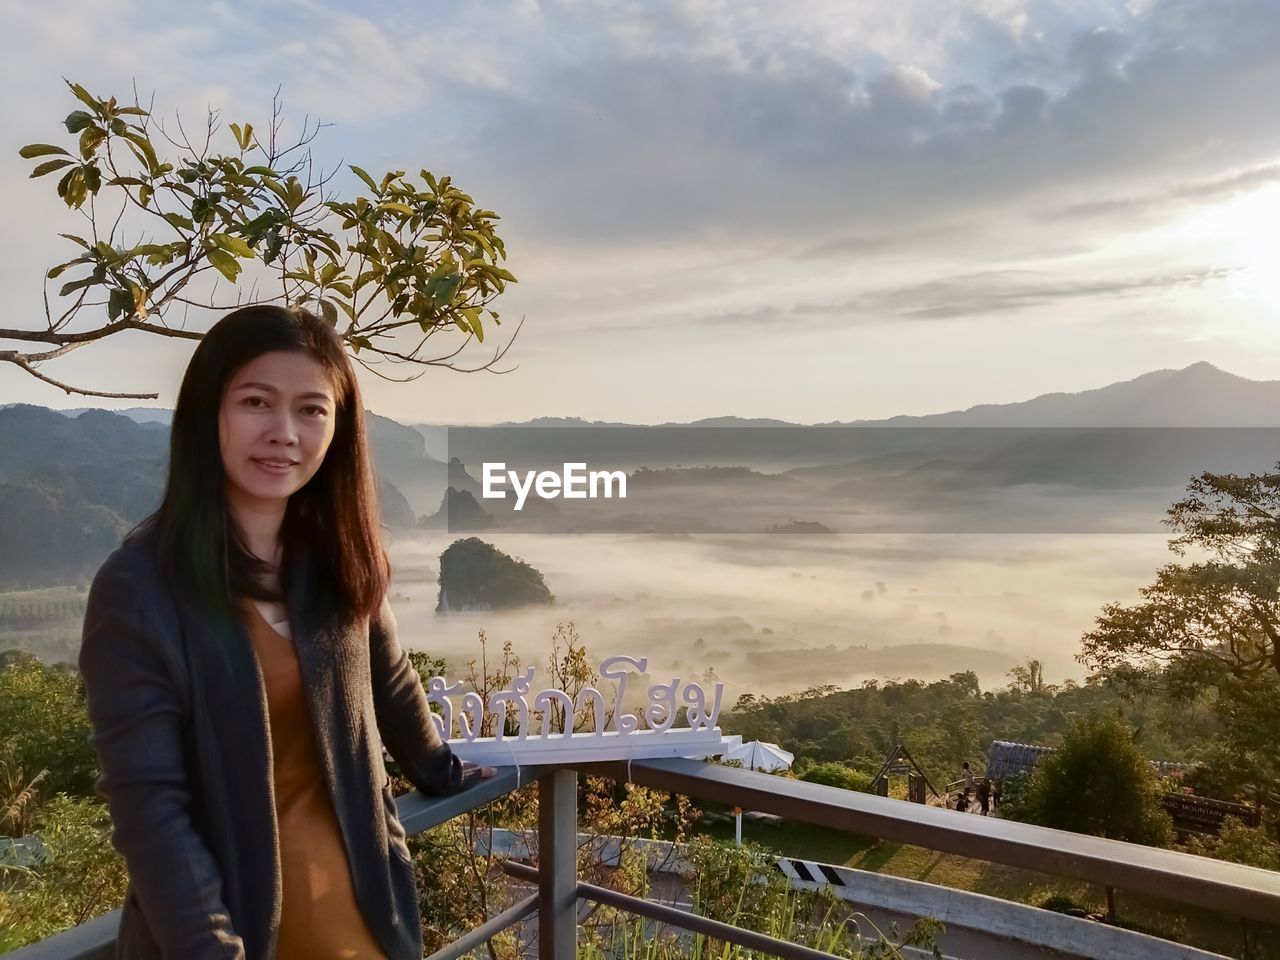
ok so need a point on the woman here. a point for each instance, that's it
(242, 671)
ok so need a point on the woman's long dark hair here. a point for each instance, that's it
(333, 521)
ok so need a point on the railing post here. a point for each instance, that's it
(558, 865)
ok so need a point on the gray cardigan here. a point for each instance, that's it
(179, 718)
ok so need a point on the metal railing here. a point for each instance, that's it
(1246, 892)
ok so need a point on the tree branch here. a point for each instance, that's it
(21, 361)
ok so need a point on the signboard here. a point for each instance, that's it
(1193, 814)
(614, 733)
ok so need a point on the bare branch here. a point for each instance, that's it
(22, 362)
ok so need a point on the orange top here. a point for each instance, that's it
(320, 919)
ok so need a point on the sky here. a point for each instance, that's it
(812, 211)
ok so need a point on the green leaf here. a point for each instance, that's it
(348, 310)
(365, 277)
(472, 315)
(365, 177)
(147, 154)
(179, 222)
(358, 342)
(126, 182)
(80, 240)
(90, 138)
(259, 172)
(85, 97)
(72, 187)
(225, 263)
(77, 120)
(93, 178)
(232, 244)
(49, 166)
(396, 207)
(119, 302)
(55, 272)
(235, 132)
(165, 253)
(74, 285)
(144, 195)
(147, 249)
(444, 292)
(274, 186)
(294, 194)
(33, 150)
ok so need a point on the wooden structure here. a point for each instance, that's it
(900, 762)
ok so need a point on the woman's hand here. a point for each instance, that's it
(473, 773)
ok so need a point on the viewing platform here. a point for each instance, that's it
(1003, 930)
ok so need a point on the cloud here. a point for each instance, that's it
(1174, 199)
(996, 292)
(704, 165)
(979, 295)
(650, 141)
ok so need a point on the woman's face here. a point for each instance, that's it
(274, 427)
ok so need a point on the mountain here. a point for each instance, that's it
(146, 415)
(72, 483)
(459, 510)
(1200, 395)
(48, 538)
(33, 438)
(460, 480)
(475, 575)
(401, 459)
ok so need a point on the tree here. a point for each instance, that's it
(1209, 630)
(1028, 677)
(1099, 783)
(394, 267)
(44, 725)
(80, 876)
(1221, 613)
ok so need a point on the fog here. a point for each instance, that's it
(775, 614)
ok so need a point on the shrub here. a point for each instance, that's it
(1239, 843)
(837, 775)
(1099, 783)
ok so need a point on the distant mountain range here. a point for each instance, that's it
(1200, 395)
(71, 481)
(72, 484)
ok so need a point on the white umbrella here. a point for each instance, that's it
(758, 755)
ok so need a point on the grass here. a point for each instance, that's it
(1190, 925)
